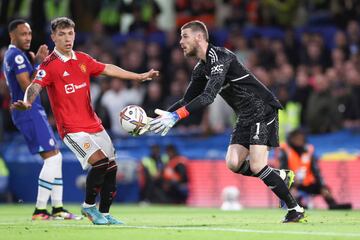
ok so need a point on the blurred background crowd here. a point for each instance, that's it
(306, 52)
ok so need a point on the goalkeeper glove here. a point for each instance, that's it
(164, 122)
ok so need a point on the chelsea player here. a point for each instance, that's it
(19, 66)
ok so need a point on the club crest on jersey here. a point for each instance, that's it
(40, 74)
(87, 145)
(82, 67)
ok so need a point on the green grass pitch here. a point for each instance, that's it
(172, 222)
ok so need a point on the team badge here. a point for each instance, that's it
(82, 67)
(19, 59)
(87, 145)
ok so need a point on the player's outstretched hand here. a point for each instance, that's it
(163, 122)
(20, 105)
(149, 75)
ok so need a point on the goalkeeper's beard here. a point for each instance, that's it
(192, 53)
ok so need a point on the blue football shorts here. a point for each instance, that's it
(38, 134)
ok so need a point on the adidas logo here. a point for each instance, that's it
(66, 74)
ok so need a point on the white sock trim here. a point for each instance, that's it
(297, 208)
(85, 205)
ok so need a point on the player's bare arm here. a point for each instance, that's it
(23, 80)
(115, 71)
(31, 93)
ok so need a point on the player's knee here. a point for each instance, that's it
(256, 168)
(234, 163)
(230, 163)
(96, 156)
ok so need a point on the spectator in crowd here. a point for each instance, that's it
(340, 42)
(322, 115)
(299, 156)
(352, 108)
(353, 34)
(280, 12)
(289, 116)
(175, 177)
(164, 177)
(144, 15)
(151, 169)
(152, 99)
(115, 99)
(302, 92)
(100, 109)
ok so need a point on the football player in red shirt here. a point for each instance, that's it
(66, 75)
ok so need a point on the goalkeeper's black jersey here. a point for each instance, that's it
(223, 74)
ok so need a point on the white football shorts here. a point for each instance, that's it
(83, 145)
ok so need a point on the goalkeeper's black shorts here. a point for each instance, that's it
(265, 132)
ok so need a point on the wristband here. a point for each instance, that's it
(182, 112)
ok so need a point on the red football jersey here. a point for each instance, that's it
(67, 81)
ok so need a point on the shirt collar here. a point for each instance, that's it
(208, 55)
(12, 46)
(63, 57)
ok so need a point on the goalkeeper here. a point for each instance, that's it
(256, 130)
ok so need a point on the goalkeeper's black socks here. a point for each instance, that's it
(277, 185)
(95, 180)
(245, 170)
(108, 190)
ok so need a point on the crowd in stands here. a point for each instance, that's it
(306, 52)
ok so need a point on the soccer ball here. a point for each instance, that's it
(133, 118)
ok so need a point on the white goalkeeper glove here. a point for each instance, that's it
(164, 122)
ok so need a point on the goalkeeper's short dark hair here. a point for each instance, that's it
(197, 25)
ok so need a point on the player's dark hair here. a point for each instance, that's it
(61, 23)
(197, 26)
(14, 23)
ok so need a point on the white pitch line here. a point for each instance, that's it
(240, 230)
(335, 234)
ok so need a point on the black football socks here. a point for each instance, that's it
(95, 180)
(277, 185)
(108, 190)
